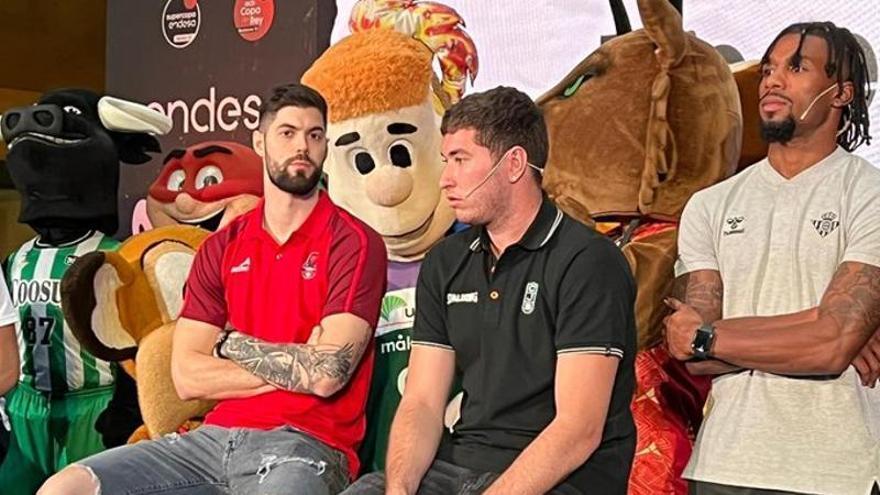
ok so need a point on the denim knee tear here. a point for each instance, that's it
(268, 461)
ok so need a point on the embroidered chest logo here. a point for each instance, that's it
(529, 297)
(467, 297)
(69, 259)
(826, 224)
(734, 225)
(310, 267)
(243, 267)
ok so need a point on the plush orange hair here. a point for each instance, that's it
(372, 72)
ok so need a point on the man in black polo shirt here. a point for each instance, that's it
(534, 310)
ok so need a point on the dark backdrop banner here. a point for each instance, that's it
(206, 64)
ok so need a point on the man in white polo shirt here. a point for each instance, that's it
(778, 287)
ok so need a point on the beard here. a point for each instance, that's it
(778, 132)
(302, 183)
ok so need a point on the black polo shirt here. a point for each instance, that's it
(563, 288)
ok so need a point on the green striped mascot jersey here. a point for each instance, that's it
(51, 357)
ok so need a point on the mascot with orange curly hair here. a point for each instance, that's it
(383, 163)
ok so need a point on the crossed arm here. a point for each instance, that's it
(820, 340)
(321, 366)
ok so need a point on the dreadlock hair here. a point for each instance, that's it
(846, 61)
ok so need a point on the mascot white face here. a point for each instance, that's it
(385, 169)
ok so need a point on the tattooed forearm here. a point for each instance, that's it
(852, 299)
(702, 290)
(295, 367)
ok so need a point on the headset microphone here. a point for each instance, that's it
(492, 172)
(823, 93)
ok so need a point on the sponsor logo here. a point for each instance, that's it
(401, 344)
(398, 311)
(310, 267)
(734, 225)
(242, 267)
(70, 259)
(826, 224)
(467, 297)
(36, 292)
(180, 22)
(529, 297)
(253, 18)
(207, 114)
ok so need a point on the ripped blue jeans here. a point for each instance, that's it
(212, 460)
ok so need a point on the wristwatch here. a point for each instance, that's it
(703, 340)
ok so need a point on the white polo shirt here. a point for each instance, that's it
(777, 243)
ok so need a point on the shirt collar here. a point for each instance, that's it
(314, 225)
(537, 235)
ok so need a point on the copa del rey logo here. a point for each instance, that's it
(253, 18)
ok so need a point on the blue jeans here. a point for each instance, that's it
(219, 460)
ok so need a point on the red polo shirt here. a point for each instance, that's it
(333, 263)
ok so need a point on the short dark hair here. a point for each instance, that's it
(502, 118)
(846, 62)
(291, 95)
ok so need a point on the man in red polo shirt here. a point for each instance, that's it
(277, 326)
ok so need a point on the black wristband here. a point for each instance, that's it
(219, 345)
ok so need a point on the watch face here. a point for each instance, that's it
(703, 341)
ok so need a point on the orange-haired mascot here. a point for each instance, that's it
(383, 163)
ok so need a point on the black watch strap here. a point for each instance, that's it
(703, 340)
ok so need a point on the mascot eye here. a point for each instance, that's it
(361, 160)
(175, 180)
(72, 109)
(400, 154)
(583, 78)
(572, 89)
(208, 176)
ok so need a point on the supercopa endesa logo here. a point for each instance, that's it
(180, 22)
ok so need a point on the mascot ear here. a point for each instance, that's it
(88, 296)
(663, 25)
(132, 127)
(166, 266)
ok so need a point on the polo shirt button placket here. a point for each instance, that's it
(278, 256)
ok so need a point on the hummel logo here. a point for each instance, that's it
(733, 225)
(243, 267)
(468, 297)
(827, 224)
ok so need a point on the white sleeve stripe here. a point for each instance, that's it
(432, 344)
(602, 350)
